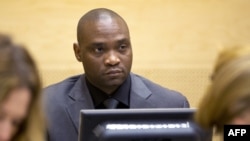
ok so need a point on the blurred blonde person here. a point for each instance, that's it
(20, 113)
(227, 100)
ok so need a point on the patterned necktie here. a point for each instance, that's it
(110, 103)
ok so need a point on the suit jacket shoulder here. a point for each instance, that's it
(157, 95)
(59, 91)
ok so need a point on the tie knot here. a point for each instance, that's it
(110, 103)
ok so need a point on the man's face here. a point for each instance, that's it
(106, 53)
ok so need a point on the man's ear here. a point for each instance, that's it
(77, 51)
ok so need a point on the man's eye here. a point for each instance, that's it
(99, 49)
(122, 47)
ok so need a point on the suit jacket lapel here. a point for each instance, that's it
(139, 93)
(80, 99)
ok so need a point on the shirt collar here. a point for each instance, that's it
(122, 94)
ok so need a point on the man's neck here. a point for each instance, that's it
(110, 90)
(107, 90)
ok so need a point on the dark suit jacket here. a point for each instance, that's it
(63, 102)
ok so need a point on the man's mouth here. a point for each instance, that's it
(114, 72)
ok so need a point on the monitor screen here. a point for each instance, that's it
(173, 124)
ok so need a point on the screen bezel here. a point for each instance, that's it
(92, 123)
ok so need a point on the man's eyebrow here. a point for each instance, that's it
(96, 44)
(123, 40)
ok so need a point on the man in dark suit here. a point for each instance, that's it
(104, 48)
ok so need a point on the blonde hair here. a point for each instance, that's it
(17, 68)
(228, 54)
(229, 92)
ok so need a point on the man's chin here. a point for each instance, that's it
(114, 82)
(118, 83)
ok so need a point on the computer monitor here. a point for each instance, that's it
(173, 124)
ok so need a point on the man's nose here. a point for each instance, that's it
(112, 59)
